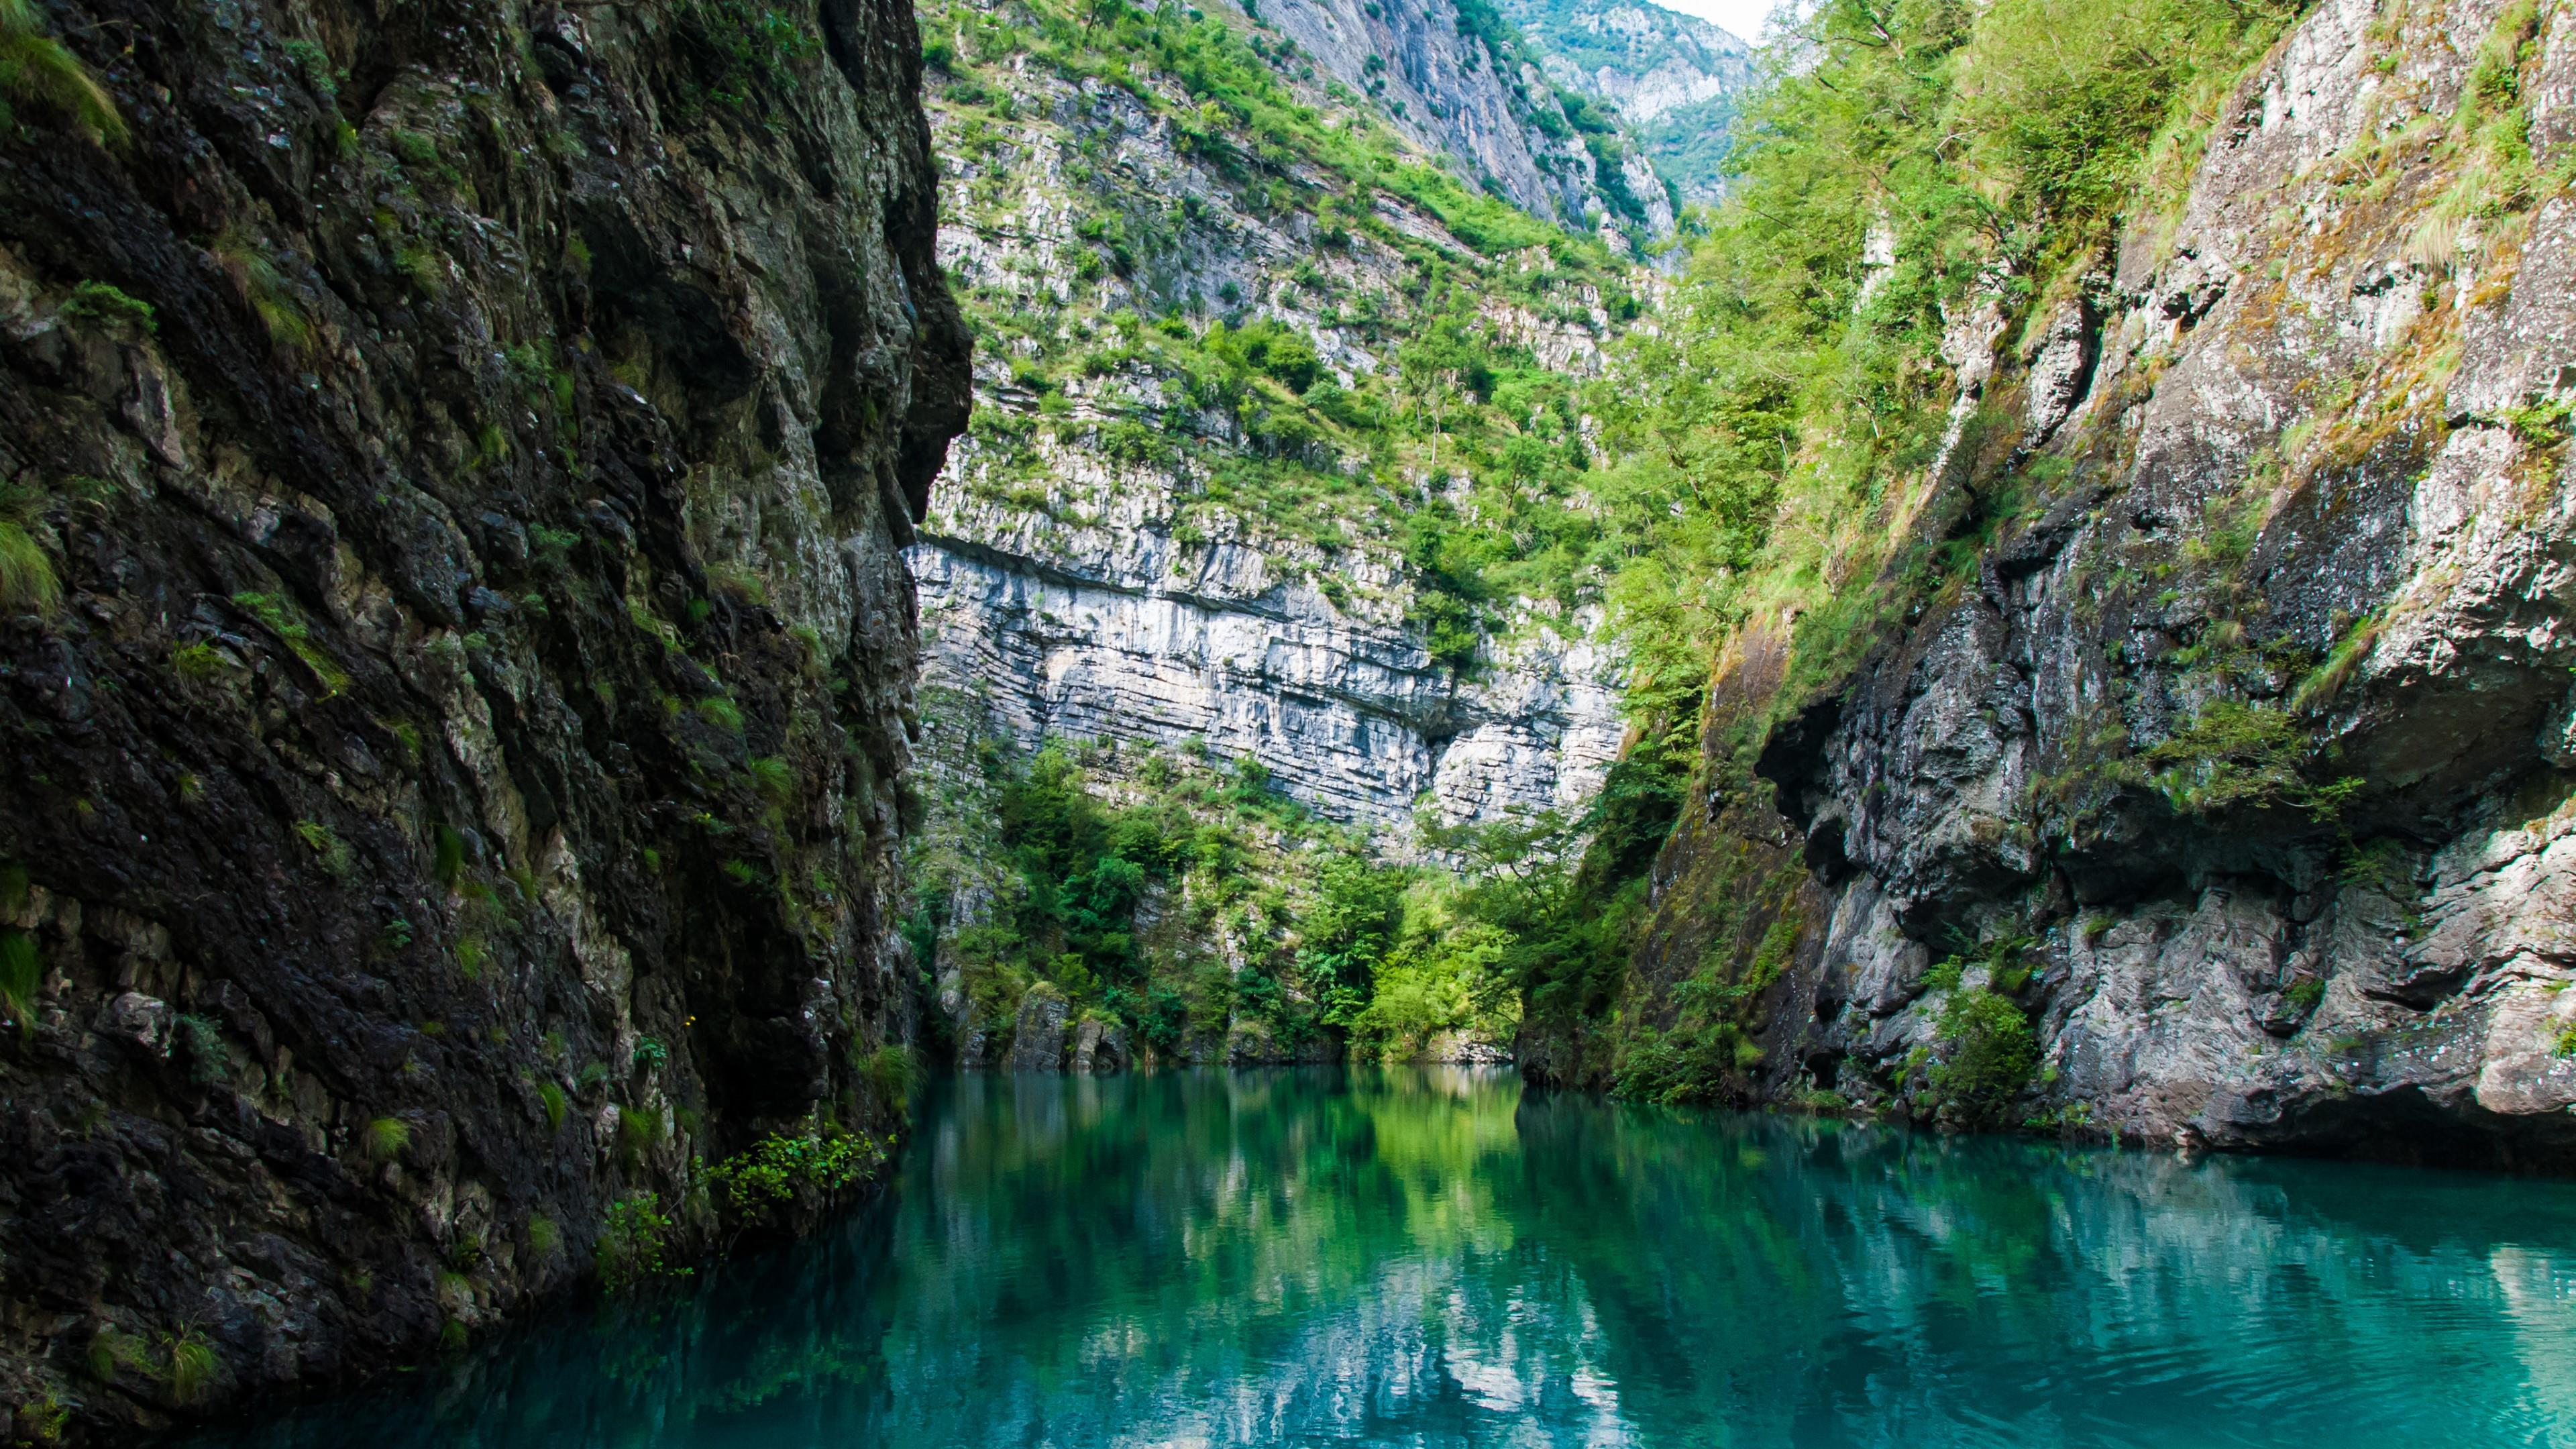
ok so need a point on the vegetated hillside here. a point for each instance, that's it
(455, 663)
(2129, 449)
(1675, 79)
(1278, 473)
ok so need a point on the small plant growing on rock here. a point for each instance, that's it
(544, 1238)
(102, 305)
(330, 848)
(634, 1244)
(192, 1366)
(21, 977)
(890, 1073)
(113, 1351)
(27, 581)
(650, 1054)
(551, 1098)
(386, 1138)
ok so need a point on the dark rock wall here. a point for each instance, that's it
(454, 791)
(2241, 763)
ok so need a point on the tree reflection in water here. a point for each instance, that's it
(1430, 1256)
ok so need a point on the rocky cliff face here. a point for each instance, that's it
(1673, 78)
(2241, 762)
(1081, 580)
(1460, 84)
(457, 661)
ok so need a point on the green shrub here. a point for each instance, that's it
(774, 777)
(778, 1168)
(1989, 1058)
(635, 1244)
(107, 306)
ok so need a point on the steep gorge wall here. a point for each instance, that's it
(455, 789)
(1078, 590)
(2241, 763)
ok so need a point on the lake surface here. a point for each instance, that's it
(1434, 1257)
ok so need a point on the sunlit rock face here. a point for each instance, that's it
(1071, 593)
(1347, 714)
(2243, 763)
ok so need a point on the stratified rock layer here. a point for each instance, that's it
(455, 792)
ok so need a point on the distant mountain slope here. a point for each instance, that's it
(1673, 78)
(1453, 77)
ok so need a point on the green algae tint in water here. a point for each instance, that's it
(1435, 1257)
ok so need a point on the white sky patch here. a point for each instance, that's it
(1742, 18)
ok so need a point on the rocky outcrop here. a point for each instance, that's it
(1673, 78)
(1346, 712)
(453, 792)
(2239, 767)
(1471, 94)
(2240, 764)
(1079, 583)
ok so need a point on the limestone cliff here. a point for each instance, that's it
(1673, 78)
(1086, 578)
(1251, 358)
(2239, 761)
(458, 655)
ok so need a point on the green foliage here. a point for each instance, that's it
(36, 70)
(2235, 755)
(545, 1238)
(782, 1167)
(327, 847)
(740, 48)
(200, 663)
(721, 712)
(890, 1073)
(635, 1244)
(385, 1138)
(650, 1054)
(108, 306)
(27, 581)
(551, 1098)
(272, 612)
(1989, 1056)
(22, 976)
(192, 1366)
(774, 777)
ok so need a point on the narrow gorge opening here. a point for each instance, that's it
(1425, 721)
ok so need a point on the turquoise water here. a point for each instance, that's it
(1434, 1257)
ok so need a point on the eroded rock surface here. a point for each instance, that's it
(2249, 746)
(455, 791)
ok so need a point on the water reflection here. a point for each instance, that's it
(1429, 1257)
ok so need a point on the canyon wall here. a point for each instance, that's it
(458, 656)
(2239, 763)
(1079, 586)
